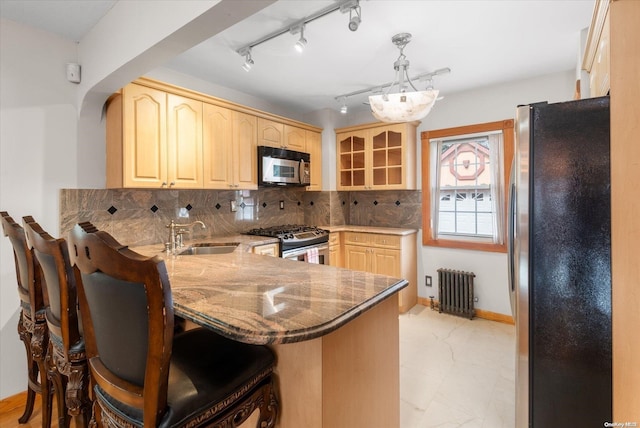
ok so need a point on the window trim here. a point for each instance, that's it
(507, 128)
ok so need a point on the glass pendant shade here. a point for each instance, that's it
(402, 106)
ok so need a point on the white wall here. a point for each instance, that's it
(37, 157)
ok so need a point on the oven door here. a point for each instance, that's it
(307, 254)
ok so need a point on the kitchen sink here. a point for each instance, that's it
(210, 248)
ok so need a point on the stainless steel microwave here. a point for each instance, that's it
(282, 167)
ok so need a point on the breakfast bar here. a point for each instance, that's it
(334, 330)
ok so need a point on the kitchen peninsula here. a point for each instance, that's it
(334, 331)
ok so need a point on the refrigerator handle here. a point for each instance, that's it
(511, 224)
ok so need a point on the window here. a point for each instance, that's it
(464, 172)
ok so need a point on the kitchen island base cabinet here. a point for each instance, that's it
(348, 378)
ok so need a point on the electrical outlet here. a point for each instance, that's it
(281, 205)
(234, 206)
(427, 281)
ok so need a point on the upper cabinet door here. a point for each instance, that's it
(314, 147)
(295, 139)
(217, 133)
(184, 160)
(270, 133)
(144, 137)
(245, 153)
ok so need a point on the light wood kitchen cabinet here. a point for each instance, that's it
(383, 254)
(294, 139)
(267, 250)
(184, 142)
(314, 148)
(377, 157)
(596, 59)
(335, 250)
(270, 133)
(229, 148)
(154, 139)
(162, 136)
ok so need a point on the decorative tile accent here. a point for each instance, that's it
(154, 208)
(397, 203)
(112, 210)
(188, 207)
(242, 205)
(311, 203)
(298, 203)
(264, 205)
(218, 206)
(375, 202)
(355, 202)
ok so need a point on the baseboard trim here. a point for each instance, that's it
(480, 313)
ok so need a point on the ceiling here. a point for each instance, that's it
(482, 42)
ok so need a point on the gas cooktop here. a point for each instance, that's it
(291, 232)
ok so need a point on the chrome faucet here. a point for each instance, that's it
(176, 231)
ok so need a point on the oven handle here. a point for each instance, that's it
(297, 252)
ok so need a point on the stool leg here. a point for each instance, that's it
(59, 386)
(32, 370)
(77, 397)
(39, 344)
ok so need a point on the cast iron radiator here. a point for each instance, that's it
(455, 289)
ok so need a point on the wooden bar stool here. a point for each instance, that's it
(66, 359)
(32, 326)
(143, 374)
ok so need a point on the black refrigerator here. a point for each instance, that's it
(560, 264)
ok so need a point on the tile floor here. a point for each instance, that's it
(455, 372)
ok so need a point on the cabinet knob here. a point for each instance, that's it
(173, 183)
(164, 184)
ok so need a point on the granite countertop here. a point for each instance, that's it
(370, 229)
(267, 300)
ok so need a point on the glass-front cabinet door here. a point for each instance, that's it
(352, 164)
(387, 169)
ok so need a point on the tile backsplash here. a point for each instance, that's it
(140, 216)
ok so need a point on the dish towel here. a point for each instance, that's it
(312, 256)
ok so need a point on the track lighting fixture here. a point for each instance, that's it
(248, 61)
(302, 42)
(344, 109)
(344, 6)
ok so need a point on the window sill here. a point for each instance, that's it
(465, 245)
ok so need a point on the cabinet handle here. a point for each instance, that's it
(173, 183)
(164, 184)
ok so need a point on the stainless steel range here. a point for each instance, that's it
(297, 242)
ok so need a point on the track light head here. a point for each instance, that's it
(354, 18)
(248, 61)
(302, 42)
(343, 109)
(354, 23)
(247, 64)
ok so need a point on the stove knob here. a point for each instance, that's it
(291, 235)
(285, 237)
